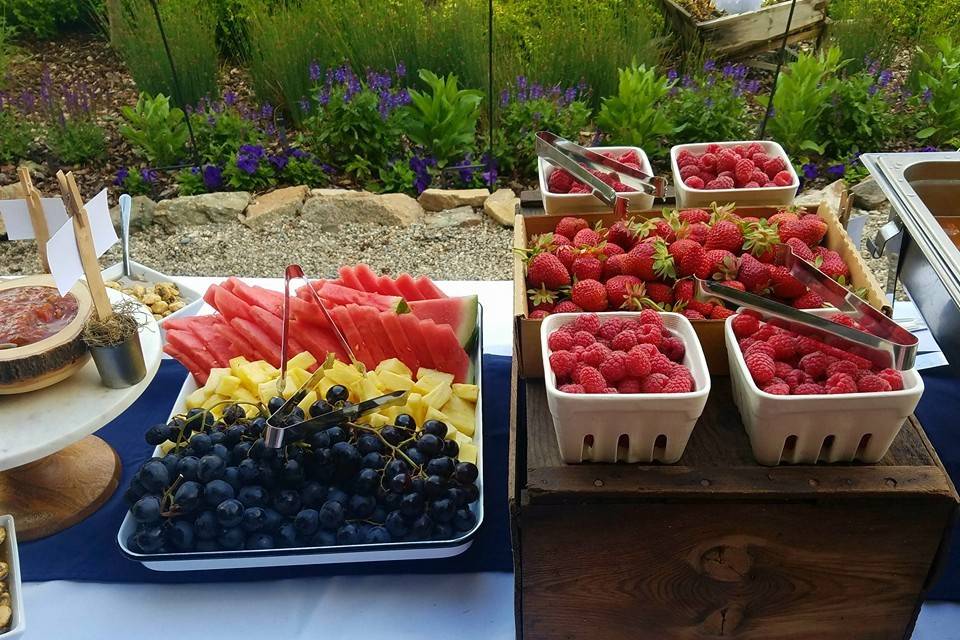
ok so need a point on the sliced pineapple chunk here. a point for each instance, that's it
(378, 420)
(462, 414)
(308, 400)
(344, 374)
(236, 364)
(468, 452)
(468, 392)
(197, 398)
(394, 365)
(416, 407)
(216, 375)
(252, 375)
(303, 360)
(439, 396)
(395, 382)
(228, 386)
(461, 438)
(298, 375)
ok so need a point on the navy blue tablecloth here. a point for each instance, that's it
(89, 550)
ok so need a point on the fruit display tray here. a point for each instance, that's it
(577, 203)
(710, 332)
(199, 561)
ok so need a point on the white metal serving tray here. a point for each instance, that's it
(378, 552)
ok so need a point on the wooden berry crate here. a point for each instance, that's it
(710, 332)
(748, 33)
(717, 545)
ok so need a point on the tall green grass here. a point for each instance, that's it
(191, 33)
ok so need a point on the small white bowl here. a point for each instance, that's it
(688, 197)
(818, 428)
(192, 300)
(563, 203)
(8, 553)
(656, 426)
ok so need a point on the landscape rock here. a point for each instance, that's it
(502, 206)
(811, 198)
(36, 170)
(443, 199)
(868, 195)
(277, 204)
(142, 210)
(202, 209)
(458, 217)
(333, 207)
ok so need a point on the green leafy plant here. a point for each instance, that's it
(76, 140)
(16, 135)
(136, 182)
(191, 34)
(444, 120)
(158, 131)
(395, 176)
(860, 117)
(711, 104)
(803, 94)
(527, 108)
(7, 34)
(304, 168)
(635, 116)
(221, 128)
(938, 77)
(41, 18)
(190, 182)
(251, 170)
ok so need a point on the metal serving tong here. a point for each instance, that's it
(887, 344)
(275, 434)
(568, 155)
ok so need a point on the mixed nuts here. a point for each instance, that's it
(6, 607)
(162, 298)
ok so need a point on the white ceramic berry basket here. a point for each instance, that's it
(818, 428)
(630, 427)
(9, 554)
(688, 197)
(564, 203)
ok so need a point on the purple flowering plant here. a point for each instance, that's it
(711, 104)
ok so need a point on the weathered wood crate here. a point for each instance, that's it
(748, 33)
(717, 545)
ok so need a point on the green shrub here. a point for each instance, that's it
(6, 35)
(860, 117)
(16, 135)
(710, 104)
(136, 182)
(191, 34)
(938, 80)
(155, 130)
(41, 18)
(76, 141)
(635, 116)
(804, 93)
(866, 39)
(222, 127)
(444, 121)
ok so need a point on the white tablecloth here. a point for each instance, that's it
(456, 606)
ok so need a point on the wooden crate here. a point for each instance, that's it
(710, 332)
(718, 546)
(748, 33)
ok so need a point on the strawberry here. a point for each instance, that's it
(539, 314)
(661, 294)
(559, 181)
(698, 232)
(784, 284)
(566, 254)
(733, 284)
(615, 265)
(619, 289)
(687, 256)
(759, 238)
(640, 261)
(691, 216)
(587, 267)
(831, 264)
(753, 274)
(809, 300)
(566, 306)
(586, 237)
(810, 230)
(546, 270)
(717, 264)
(683, 290)
(800, 249)
(569, 226)
(692, 314)
(720, 312)
(724, 234)
(609, 249)
(589, 295)
(623, 234)
(787, 214)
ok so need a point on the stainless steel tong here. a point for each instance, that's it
(884, 342)
(568, 155)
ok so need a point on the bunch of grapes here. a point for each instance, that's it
(221, 488)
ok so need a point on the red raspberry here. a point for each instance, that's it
(782, 369)
(744, 325)
(713, 148)
(583, 338)
(695, 182)
(809, 389)
(589, 322)
(783, 179)
(661, 364)
(649, 316)
(592, 380)
(594, 354)
(773, 166)
(744, 170)
(610, 328)
(649, 334)
(673, 348)
(745, 343)
(806, 344)
(777, 388)
(754, 148)
(638, 362)
(760, 159)
(653, 383)
(577, 350)
(724, 182)
(624, 341)
(795, 377)
(761, 347)
(759, 177)
(765, 332)
(728, 174)
(751, 185)
(740, 150)
(842, 366)
(629, 385)
(563, 362)
(614, 368)
(559, 181)
(707, 162)
(613, 389)
(688, 171)
(843, 319)
(720, 312)
(814, 363)
(761, 367)
(572, 388)
(784, 346)
(560, 341)
(893, 378)
(679, 381)
(841, 383)
(686, 159)
(727, 160)
(707, 177)
(872, 384)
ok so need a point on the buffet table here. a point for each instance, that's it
(462, 605)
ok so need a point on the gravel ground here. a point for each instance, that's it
(473, 253)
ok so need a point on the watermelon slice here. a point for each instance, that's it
(447, 352)
(408, 287)
(367, 322)
(367, 278)
(189, 344)
(318, 341)
(185, 323)
(198, 373)
(398, 338)
(265, 346)
(350, 279)
(215, 343)
(411, 326)
(387, 286)
(241, 346)
(229, 305)
(427, 289)
(460, 314)
(353, 336)
(335, 294)
(273, 327)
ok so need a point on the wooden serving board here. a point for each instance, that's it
(48, 361)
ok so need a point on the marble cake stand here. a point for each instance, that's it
(53, 473)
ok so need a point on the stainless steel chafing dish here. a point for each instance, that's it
(922, 236)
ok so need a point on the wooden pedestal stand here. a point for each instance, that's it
(57, 491)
